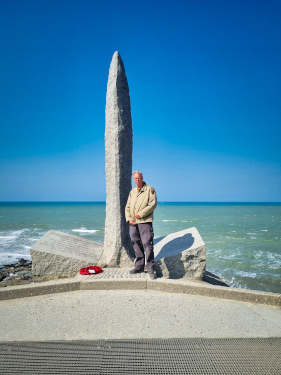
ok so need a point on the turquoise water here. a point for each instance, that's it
(243, 241)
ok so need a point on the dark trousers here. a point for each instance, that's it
(142, 240)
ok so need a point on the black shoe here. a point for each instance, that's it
(135, 271)
(152, 275)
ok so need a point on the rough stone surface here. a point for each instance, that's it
(59, 253)
(118, 251)
(181, 255)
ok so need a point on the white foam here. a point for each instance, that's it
(11, 235)
(20, 231)
(235, 284)
(273, 256)
(85, 230)
(169, 220)
(235, 238)
(10, 258)
(230, 256)
(275, 266)
(250, 233)
(246, 274)
(259, 254)
(8, 237)
(264, 230)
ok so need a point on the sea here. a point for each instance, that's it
(243, 240)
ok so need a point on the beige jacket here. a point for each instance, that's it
(142, 202)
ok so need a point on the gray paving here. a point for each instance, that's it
(133, 314)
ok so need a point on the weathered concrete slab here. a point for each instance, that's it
(118, 251)
(121, 314)
(59, 253)
(181, 255)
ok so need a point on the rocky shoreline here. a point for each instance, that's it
(16, 273)
(20, 273)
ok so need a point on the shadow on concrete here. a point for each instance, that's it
(175, 246)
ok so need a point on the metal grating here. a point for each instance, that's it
(147, 356)
(113, 273)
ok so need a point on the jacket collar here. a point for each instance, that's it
(143, 187)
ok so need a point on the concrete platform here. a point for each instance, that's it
(124, 314)
(119, 278)
(116, 305)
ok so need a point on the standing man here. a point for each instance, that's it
(139, 209)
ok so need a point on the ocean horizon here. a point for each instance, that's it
(164, 202)
(243, 239)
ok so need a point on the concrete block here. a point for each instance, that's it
(180, 255)
(59, 253)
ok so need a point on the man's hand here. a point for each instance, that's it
(137, 216)
(132, 222)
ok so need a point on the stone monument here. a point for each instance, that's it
(177, 255)
(118, 250)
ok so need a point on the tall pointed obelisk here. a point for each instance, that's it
(118, 250)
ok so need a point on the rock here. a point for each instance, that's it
(59, 253)
(24, 274)
(118, 251)
(180, 255)
(213, 279)
(22, 261)
(3, 275)
(8, 278)
(27, 276)
(9, 265)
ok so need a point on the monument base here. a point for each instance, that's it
(178, 255)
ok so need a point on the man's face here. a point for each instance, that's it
(138, 179)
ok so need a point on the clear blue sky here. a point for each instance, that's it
(205, 87)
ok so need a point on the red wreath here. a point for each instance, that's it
(91, 270)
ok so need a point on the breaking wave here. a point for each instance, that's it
(85, 230)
